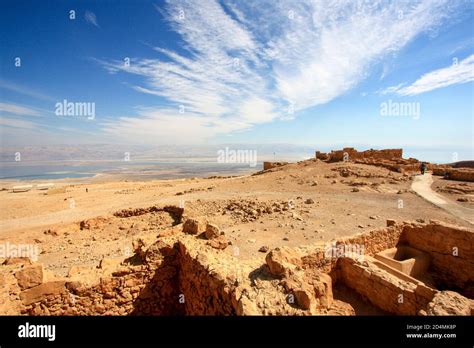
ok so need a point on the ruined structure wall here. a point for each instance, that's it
(271, 165)
(373, 242)
(353, 154)
(206, 292)
(170, 282)
(459, 174)
(384, 291)
(451, 250)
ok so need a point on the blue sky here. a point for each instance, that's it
(300, 72)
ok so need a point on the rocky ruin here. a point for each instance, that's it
(458, 174)
(404, 269)
(271, 165)
(393, 160)
(349, 153)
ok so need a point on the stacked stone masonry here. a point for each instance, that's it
(182, 275)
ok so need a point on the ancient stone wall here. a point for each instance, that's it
(402, 294)
(271, 165)
(459, 174)
(167, 281)
(451, 250)
(146, 288)
(351, 154)
(387, 292)
(183, 275)
(206, 292)
(372, 242)
(465, 174)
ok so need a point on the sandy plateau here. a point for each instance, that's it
(253, 244)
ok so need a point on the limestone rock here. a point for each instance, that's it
(212, 231)
(449, 303)
(39, 292)
(110, 263)
(219, 242)
(30, 276)
(280, 260)
(192, 226)
(17, 261)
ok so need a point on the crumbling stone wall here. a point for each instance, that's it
(146, 288)
(170, 277)
(387, 292)
(271, 165)
(402, 295)
(206, 292)
(349, 153)
(390, 159)
(451, 250)
(459, 174)
(372, 243)
(182, 275)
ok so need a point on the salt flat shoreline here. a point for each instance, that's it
(121, 177)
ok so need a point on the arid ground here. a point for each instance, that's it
(294, 205)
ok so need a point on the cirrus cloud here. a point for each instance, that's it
(456, 73)
(246, 63)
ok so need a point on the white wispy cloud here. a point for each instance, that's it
(7, 108)
(459, 72)
(247, 62)
(91, 18)
(16, 88)
(16, 123)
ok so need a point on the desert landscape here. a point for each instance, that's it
(342, 233)
(237, 171)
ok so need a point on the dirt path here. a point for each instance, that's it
(422, 186)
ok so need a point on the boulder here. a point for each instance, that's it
(30, 276)
(192, 226)
(280, 260)
(219, 242)
(212, 231)
(312, 289)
